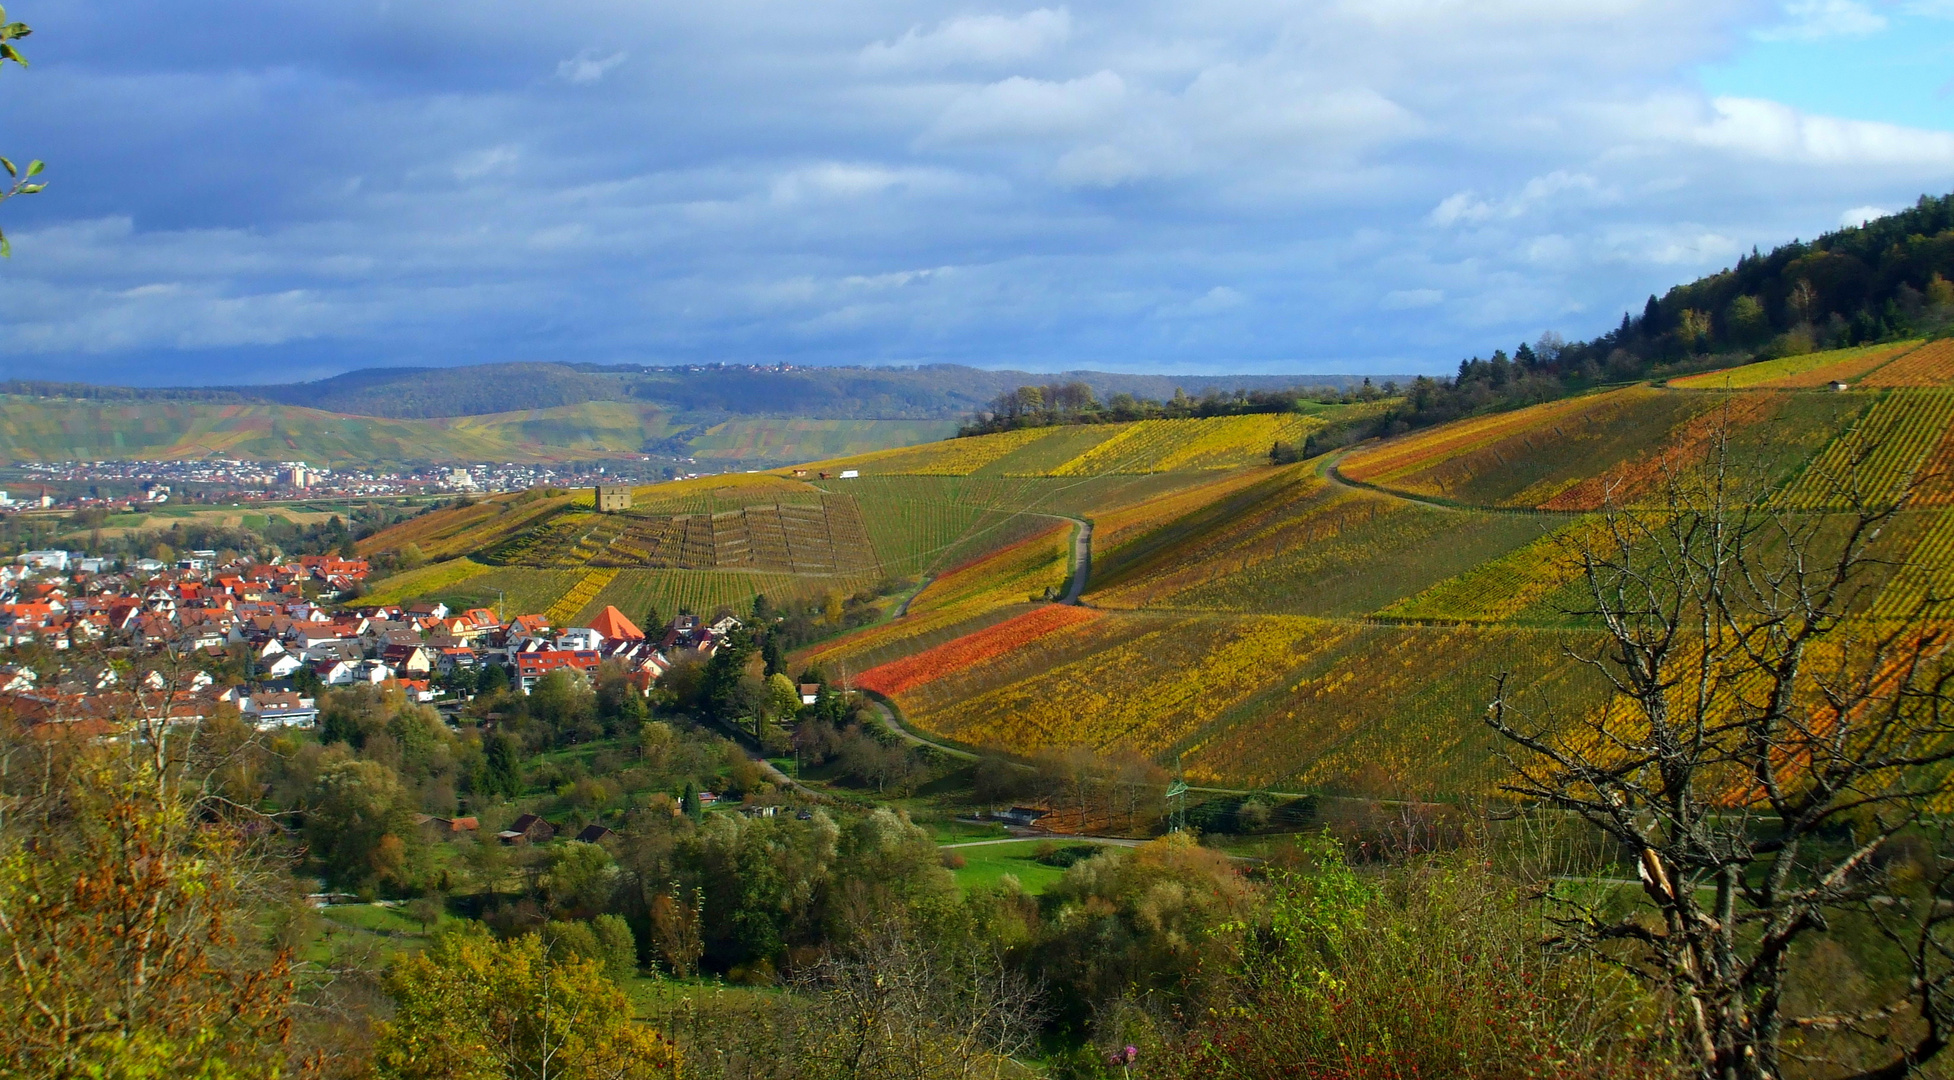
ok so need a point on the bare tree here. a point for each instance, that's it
(890, 1005)
(1768, 747)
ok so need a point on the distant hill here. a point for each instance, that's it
(700, 393)
(93, 429)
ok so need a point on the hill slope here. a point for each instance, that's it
(68, 429)
(1331, 625)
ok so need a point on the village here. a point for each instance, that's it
(265, 638)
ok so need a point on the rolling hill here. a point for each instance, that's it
(86, 429)
(1330, 625)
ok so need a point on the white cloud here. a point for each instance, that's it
(978, 39)
(1776, 132)
(843, 180)
(1859, 215)
(1468, 208)
(1020, 107)
(1815, 20)
(588, 67)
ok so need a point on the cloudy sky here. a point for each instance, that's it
(263, 192)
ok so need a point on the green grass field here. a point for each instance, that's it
(985, 866)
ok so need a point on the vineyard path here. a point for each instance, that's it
(1328, 470)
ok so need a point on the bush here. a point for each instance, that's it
(1432, 969)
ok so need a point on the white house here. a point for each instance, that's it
(46, 560)
(279, 710)
(579, 639)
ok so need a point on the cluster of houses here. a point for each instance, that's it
(196, 609)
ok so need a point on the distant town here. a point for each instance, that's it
(136, 486)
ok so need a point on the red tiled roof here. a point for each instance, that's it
(615, 627)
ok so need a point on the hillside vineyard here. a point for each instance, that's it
(1330, 625)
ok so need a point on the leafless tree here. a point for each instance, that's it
(1768, 745)
(889, 1006)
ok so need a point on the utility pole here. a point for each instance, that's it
(1177, 799)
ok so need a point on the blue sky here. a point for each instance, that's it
(252, 192)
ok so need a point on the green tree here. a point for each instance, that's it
(1746, 322)
(494, 679)
(357, 822)
(19, 182)
(567, 707)
(617, 946)
(783, 697)
(473, 1008)
(501, 766)
(770, 654)
(578, 880)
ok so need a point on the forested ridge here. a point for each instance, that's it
(1881, 281)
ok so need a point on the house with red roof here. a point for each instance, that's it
(532, 666)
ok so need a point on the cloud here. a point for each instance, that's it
(1814, 20)
(1408, 299)
(976, 39)
(1468, 208)
(1775, 132)
(1217, 301)
(1020, 107)
(1047, 187)
(480, 163)
(1859, 215)
(588, 67)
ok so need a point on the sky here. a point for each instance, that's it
(243, 192)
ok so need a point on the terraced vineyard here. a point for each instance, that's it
(1331, 625)
(1802, 372)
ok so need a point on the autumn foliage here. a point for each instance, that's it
(976, 648)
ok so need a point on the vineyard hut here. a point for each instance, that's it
(612, 497)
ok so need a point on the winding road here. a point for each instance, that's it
(1081, 559)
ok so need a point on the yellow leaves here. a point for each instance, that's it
(951, 457)
(474, 1008)
(1498, 590)
(1401, 457)
(1810, 369)
(1218, 442)
(1881, 452)
(1141, 694)
(580, 594)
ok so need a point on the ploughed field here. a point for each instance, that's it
(1332, 625)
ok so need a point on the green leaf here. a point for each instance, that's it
(9, 166)
(6, 249)
(34, 167)
(29, 189)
